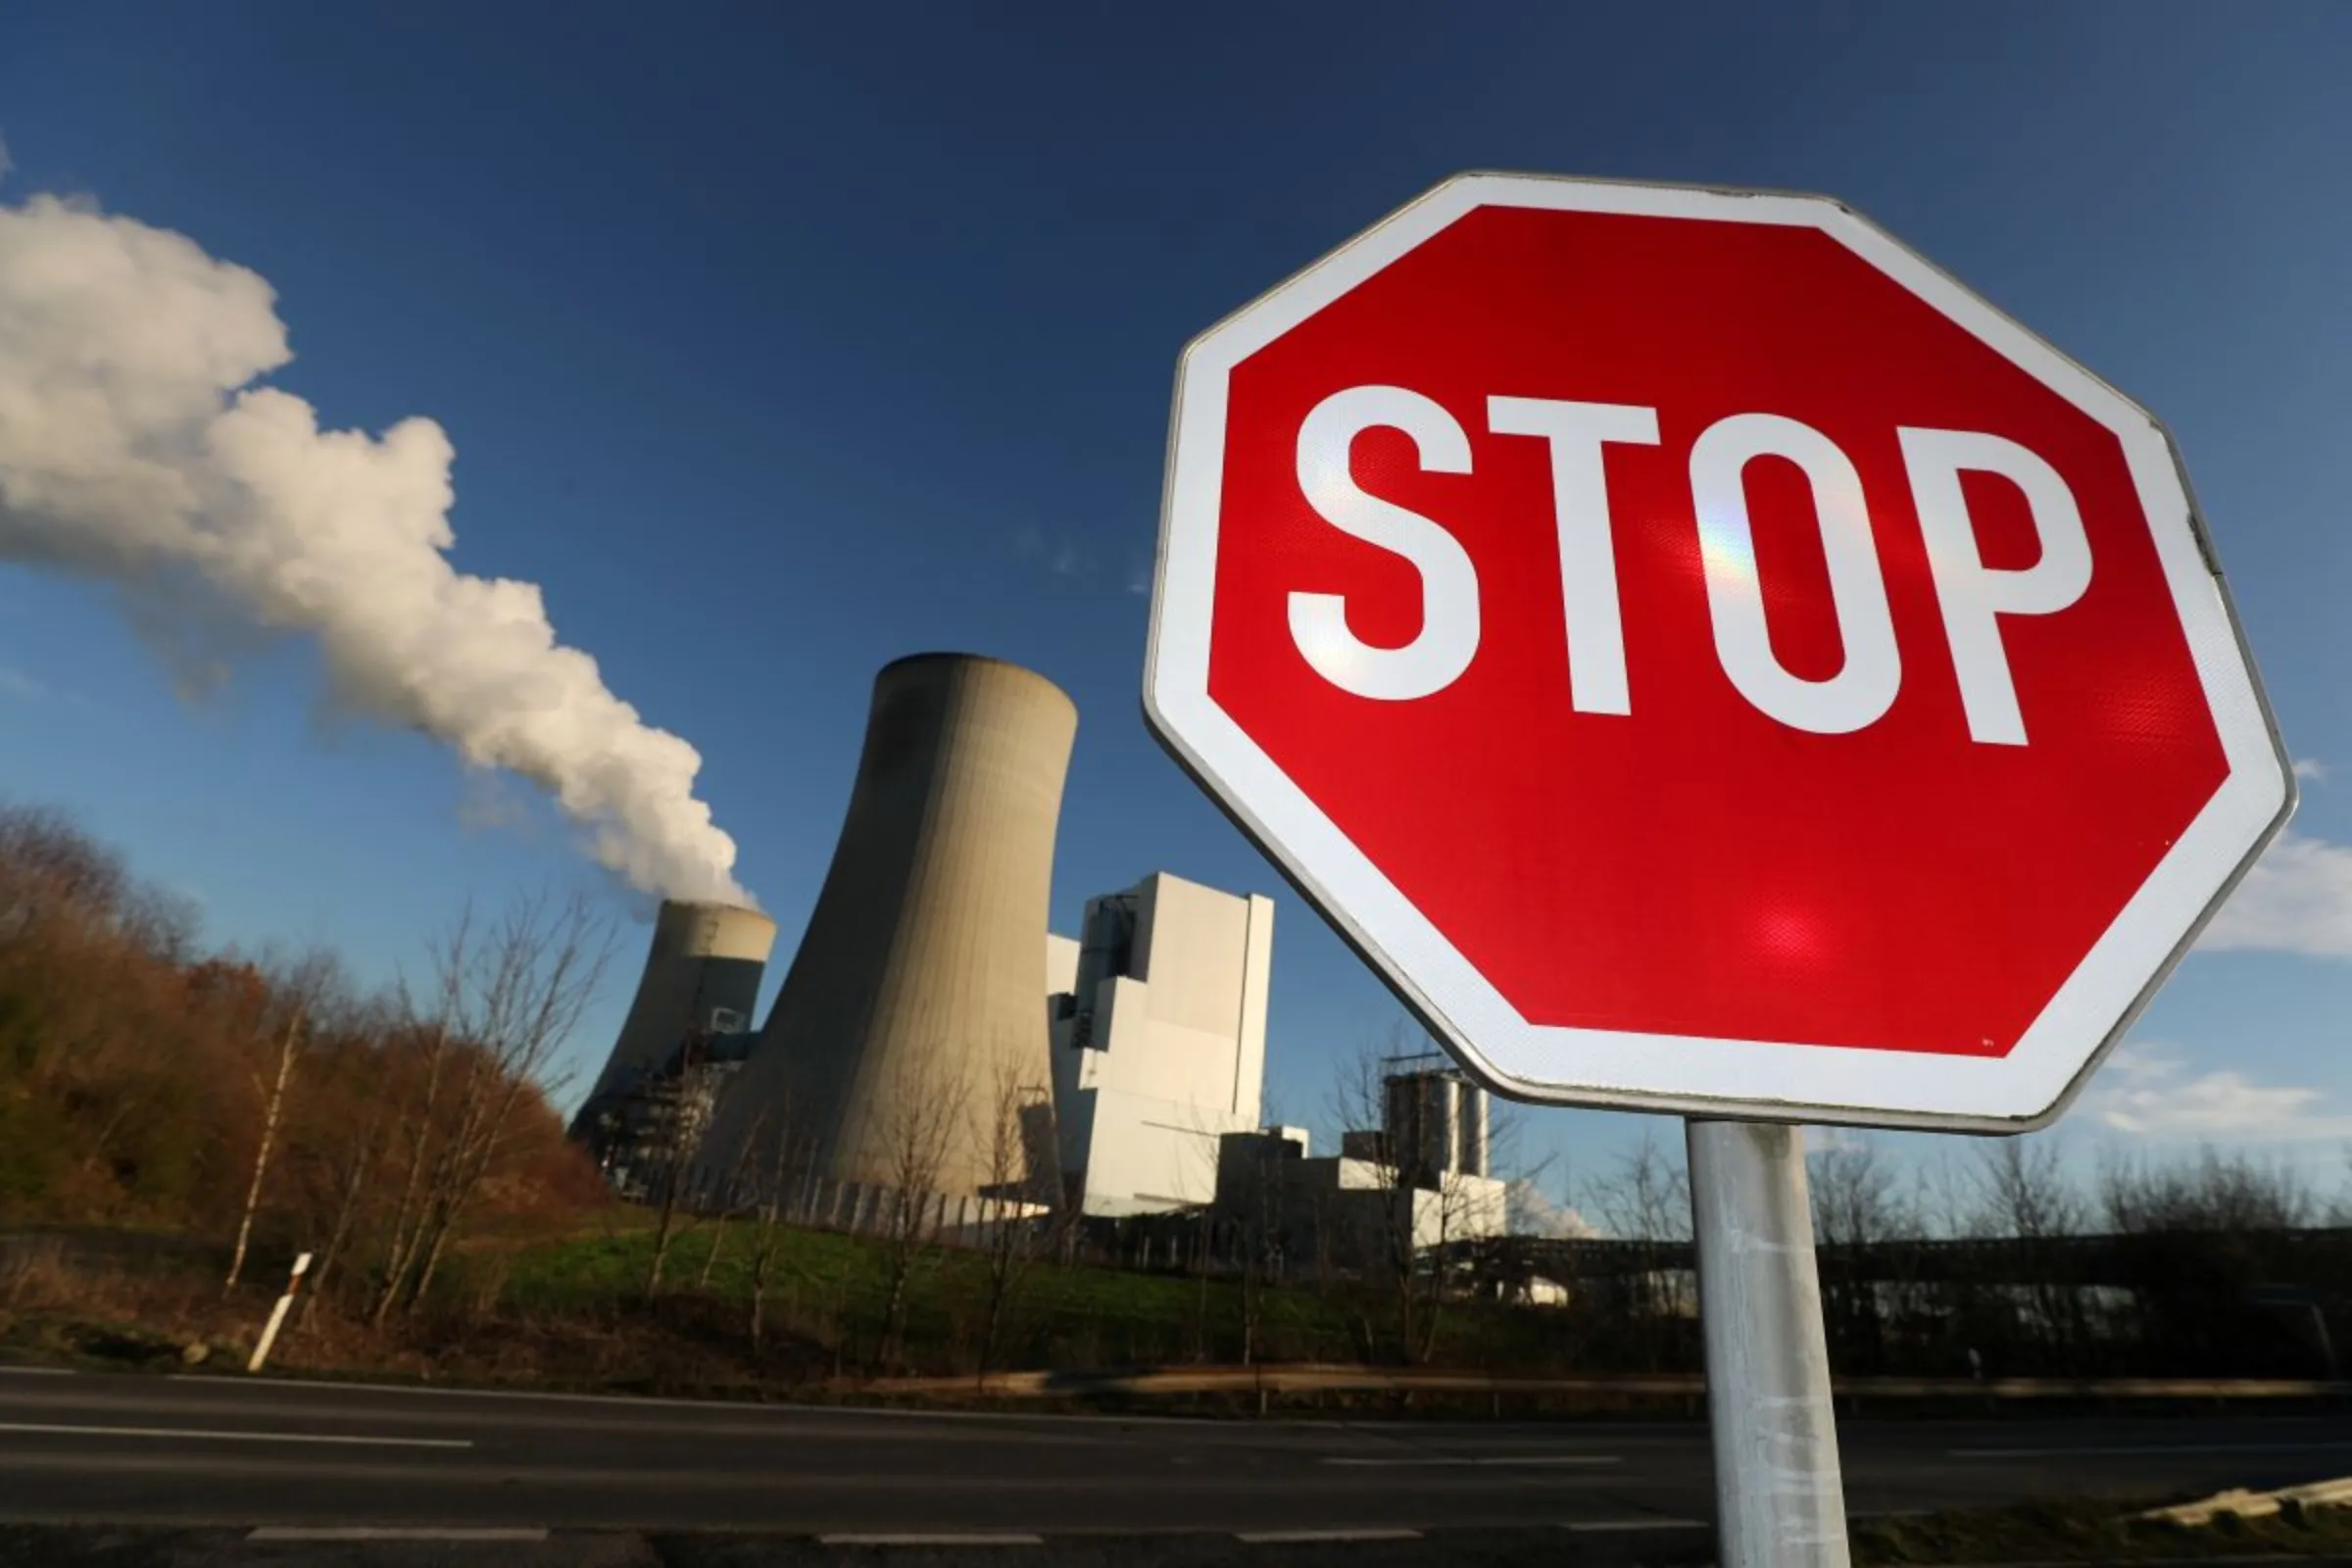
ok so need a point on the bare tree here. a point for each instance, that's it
(1272, 1218)
(681, 1105)
(2217, 1192)
(2024, 1194)
(360, 1160)
(308, 989)
(1020, 1196)
(1859, 1211)
(1856, 1199)
(1944, 1196)
(2022, 1191)
(1423, 1202)
(1644, 1196)
(1359, 1107)
(921, 1122)
(1255, 1217)
(775, 1164)
(506, 1000)
(725, 1221)
(432, 1029)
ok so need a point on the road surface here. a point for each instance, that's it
(233, 1451)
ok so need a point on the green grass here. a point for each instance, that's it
(572, 1308)
(829, 1285)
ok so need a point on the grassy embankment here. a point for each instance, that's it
(573, 1310)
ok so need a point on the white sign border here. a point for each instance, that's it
(1674, 1073)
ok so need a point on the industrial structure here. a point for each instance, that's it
(935, 1051)
(1434, 1122)
(701, 982)
(908, 1042)
(1158, 1018)
(1417, 1182)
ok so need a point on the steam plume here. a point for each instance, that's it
(136, 450)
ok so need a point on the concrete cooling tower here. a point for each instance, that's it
(702, 976)
(913, 1004)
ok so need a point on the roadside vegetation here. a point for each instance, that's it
(2082, 1530)
(176, 1123)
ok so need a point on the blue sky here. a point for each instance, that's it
(775, 343)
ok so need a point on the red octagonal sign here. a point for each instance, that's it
(1705, 657)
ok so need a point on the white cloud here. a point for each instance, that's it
(1138, 575)
(2150, 1091)
(2297, 899)
(2311, 769)
(6, 163)
(141, 449)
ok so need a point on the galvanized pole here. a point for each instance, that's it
(1779, 1501)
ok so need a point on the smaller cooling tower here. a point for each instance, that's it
(702, 977)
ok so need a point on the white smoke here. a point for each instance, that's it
(1530, 1211)
(135, 450)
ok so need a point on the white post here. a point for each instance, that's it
(1779, 1500)
(277, 1314)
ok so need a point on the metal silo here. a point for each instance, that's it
(912, 1011)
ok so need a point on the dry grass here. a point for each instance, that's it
(57, 1306)
(2085, 1531)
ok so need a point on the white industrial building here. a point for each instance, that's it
(1157, 1013)
(1422, 1175)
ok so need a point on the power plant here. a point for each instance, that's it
(703, 975)
(935, 1050)
(912, 1024)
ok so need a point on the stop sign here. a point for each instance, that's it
(1703, 657)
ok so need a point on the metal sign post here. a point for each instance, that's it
(1779, 1500)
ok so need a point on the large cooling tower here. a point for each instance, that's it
(703, 975)
(913, 1002)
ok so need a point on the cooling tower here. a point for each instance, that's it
(703, 975)
(912, 1006)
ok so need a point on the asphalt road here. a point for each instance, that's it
(224, 1451)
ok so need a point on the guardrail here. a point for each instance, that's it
(1173, 1381)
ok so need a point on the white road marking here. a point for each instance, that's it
(380, 1532)
(232, 1437)
(1279, 1538)
(1449, 1461)
(2318, 1446)
(36, 1371)
(634, 1401)
(932, 1541)
(1598, 1525)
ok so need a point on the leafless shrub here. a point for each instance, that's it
(503, 1001)
(1857, 1198)
(2217, 1192)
